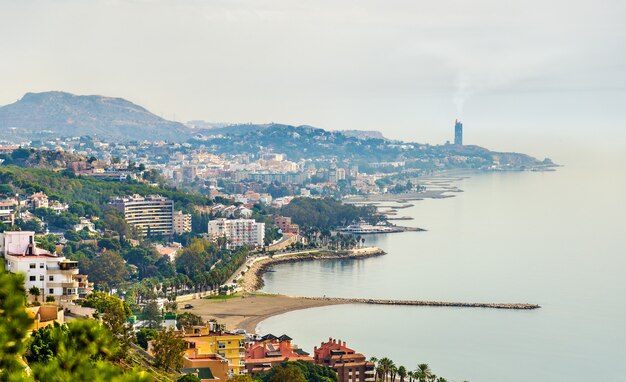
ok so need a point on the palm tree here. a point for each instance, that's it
(442, 379)
(411, 375)
(385, 364)
(402, 373)
(393, 370)
(35, 292)
(423, 372)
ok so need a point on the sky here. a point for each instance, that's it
(520, 74)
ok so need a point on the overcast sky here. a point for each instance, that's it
(514, 71)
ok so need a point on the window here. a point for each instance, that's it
(32, 265)
(33, 278)
(50, 291)
(40, 277)
(41, 265)
(50, 278)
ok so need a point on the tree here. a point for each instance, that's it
(108, 270)
(402, 373)
(241, 378)
(287, 374)
(114, 318)
(187, 319)
(35, 292)
(152, 314)
(169, 349)
(14, 324)
(144, 335)
(188, 377)
(423, 372)
(309, 371)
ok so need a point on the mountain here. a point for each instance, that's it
(59, 114)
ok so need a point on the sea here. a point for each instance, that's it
(557, 239)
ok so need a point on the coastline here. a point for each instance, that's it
(252, 280)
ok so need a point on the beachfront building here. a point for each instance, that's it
(151, 215)
(53, 275)
(270, 351)
(238, 232)
(349, 365)
(181, 222)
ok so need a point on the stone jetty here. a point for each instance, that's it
(372, 301)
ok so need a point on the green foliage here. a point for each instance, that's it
(169, 349)
(187, 319)
(14, 323)
(299, 371)
(152, 314)
(328, 213)
(82, 351)
(188, 378)
(109, 271)
(241, 378)
(144, 335)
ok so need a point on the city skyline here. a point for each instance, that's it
(406, 70)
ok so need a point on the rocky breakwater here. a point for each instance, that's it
(252, 280)
(428, 303)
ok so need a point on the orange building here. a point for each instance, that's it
(349, 365)
(270, 351)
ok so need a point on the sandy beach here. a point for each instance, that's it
(247, 311)
(250, 308)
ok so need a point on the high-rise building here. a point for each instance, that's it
(181, 222)
(151, 214)
(458, 133)
(238, 232)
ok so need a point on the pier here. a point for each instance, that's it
(448, 304)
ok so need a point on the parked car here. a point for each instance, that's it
(188, 306)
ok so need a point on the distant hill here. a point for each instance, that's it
(54, 114)
(363, 134)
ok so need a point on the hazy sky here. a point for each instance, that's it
(515, 71)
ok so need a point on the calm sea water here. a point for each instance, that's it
(557, 239)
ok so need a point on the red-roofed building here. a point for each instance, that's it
(349, 365)
(270, 351)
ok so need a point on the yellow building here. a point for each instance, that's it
(231, 347)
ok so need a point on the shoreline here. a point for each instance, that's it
(252, 280)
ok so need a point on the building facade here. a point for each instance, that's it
(53, 275)
(238, 232)
(181, 222)
(349, 365)
(458, 132)
(270, 351)
(151, 215)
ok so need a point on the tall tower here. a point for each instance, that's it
(458, 132)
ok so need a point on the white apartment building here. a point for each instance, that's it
(54, 275)
(152, 214)
(238, 231)
(181, 222)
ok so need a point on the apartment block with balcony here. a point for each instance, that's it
(349, 365)
(238, 232)
(151, 215)
(205, 347)
(270, 351)
(54, 275)
(181, 222)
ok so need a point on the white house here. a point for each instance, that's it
(238, 231)
(54, 275)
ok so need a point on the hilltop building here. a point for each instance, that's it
(238, 232)
(458, 132)
(54, 275)
(270, 351)
(153, 214)
(349, 365)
